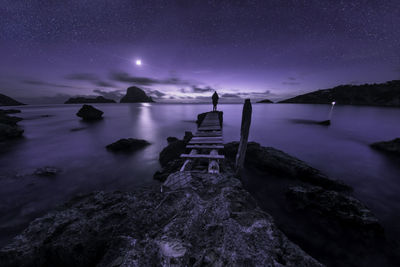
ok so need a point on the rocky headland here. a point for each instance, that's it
(8, 101)
(381, 94)
(266, 101)
(9, 127)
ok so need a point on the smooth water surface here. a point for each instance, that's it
(61, 139)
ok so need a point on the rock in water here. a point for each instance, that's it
(127, 145)
(9, 111)
(392, 147)
(89, 113)
(135, 95)
(82, 100)
(47, 171)
(8, 101)
(9, 131)
(265, 101)
(211, 222)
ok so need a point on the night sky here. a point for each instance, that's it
(51, 50)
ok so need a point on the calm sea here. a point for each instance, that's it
(340, 150)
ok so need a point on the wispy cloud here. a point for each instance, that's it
(146, 81)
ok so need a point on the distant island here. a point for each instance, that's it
(382, 94)
(8, 101)
(86, 100)
(265, 101)
(136, 95)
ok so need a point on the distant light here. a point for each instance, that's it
(333, 103)
(138, 62)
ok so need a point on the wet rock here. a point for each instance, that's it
(170, 167)
(77, 129)
(9, 132)
(188, 136)
(201, 117)
(9, 120)
(335, 206)
(174, 149)
(47, 171)
(89, 113)
(171, 139)
(213, 221)
(326, 122)
(391, 147)
(127, 145)
(280, 163)
(9, 111)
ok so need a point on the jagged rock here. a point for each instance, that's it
(89, 113)
(170, 167)
(278, 162)
(201, 116)
(213, 222)
(335, 206)
(8, 101)
(174, 149)
(9, 131)
(9, 111)
(127, 145)
(135, 95)
(47, 171)
(82, 100)
(265, 101)
(392, 147)
(383, 94)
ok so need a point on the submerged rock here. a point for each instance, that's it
(127, 145)
(47, 171)
(211, 222)
(392, 147)
(89, 113)
(280, 163)
(335, 206)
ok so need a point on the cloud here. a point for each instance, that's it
(206, 89)
(291, 78)
(89, 77)
(155, 93)
(43, 83)
(290, 83)
(127, 78)
(227, 95)
(115, 94)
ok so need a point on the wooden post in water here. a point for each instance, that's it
(244, 135)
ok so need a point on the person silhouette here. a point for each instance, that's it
(215, 98)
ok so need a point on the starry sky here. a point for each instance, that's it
(275, 49)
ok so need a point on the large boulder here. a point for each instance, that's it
(127, 145)
(135, 95)
(273, 160)
(335, 206)
(212, 221)
(10, 131)
(391, 147)
(89, 113)
(83, 100)
(8, 101)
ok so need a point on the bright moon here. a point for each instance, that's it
(138, 62)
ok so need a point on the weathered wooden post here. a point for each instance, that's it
(244, 135)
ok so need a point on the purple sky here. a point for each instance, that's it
(51, 50)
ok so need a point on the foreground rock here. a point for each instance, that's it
(127, 145)
(135, 95)
(10, 132)
(335, 206)
(8, 101)
(210, 222)
(382, 94)
(391, 147)
(47, 171)
(88, 100)
(278, 162)
(89, 113)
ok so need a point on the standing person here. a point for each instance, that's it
(215, 98)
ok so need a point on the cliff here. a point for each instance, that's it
(383, 94)
(135, 95)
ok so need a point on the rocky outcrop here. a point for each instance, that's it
(88, 100)
(383, 94)
(280, 163)
(127, 145)
(265, 101)
(9, 128)
(9, 111)
(89, 113)
(135, 95)
(201, 116)
(212, 221)
(334, 206)
(8, 101)
(390, 147)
